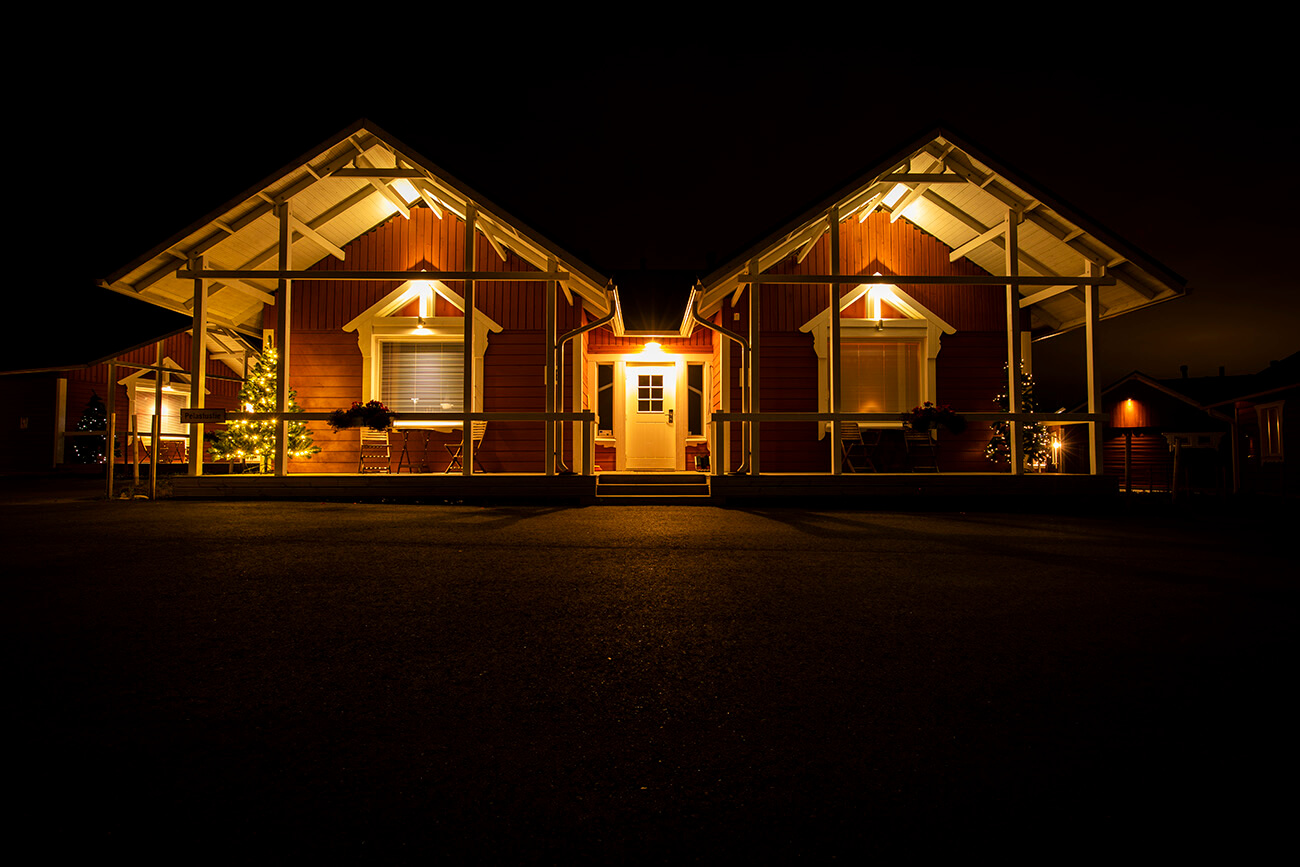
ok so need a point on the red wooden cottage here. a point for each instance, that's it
(357, 261)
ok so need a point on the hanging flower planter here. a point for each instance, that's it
(928, 417)
(372, 414)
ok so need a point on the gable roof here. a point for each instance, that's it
(336, 199)
(960, 195)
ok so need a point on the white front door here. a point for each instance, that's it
(650, 423)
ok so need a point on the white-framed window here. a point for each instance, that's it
(650, 392)
(887, 365)
(422, 375)
(605, 400)
(140, 390)
(696, 399)
(1270, 431)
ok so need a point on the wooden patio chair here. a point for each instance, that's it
(375, 454)
(922, 451)
(856, 444)
(477, 430)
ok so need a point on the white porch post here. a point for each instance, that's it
(722, 430)
(282, 304)
(1013, 342)
(755, 311)
(578, 430)
(467, 450)
(110, 428)
(833, 360)
(552, 369)
(1092, 315)
(155, 428)
(198, 365)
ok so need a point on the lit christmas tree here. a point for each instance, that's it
(1035, 443)
(255, 440)
(90, 450)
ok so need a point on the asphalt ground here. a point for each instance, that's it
(393, 683)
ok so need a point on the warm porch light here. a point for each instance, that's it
(420, 327)
(652, 348)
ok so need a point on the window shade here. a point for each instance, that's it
(422, 377)
(172, 404)
(880, 376)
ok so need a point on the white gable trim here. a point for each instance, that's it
(377, 323)
(921, 325)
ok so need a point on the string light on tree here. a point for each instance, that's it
(1035, 442)
(255, 440)
(90, 449)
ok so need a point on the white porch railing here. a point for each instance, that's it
(719, 419)
(586, 418)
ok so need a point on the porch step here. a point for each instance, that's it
(652, 487)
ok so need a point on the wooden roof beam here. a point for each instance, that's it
(426, 193)
(307, 231)
(382, 188)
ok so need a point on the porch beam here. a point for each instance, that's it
(241, 287)
(379, 173)
(908, 198)
(288, 274)
(974, 243)
(377, 181)
(930, 280)
(311, 234)
(924, 178)
(1049, 292)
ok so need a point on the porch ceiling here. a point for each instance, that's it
(332, 206)
(960, 196)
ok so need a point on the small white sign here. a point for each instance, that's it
(202, 416)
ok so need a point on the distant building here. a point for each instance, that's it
(1206, 433)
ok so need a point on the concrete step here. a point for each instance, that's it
(652, 485)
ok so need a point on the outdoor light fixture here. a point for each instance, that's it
(420, 327)
(652, 348)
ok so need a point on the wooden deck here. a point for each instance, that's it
(974, 491)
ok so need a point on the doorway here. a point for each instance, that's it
(650, 409)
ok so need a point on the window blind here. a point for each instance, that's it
(422, 377)
(172, 404)
(880, 376)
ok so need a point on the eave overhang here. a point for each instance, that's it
(960, 195)
(340, 190)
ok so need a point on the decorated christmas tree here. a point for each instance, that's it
(1035, 443)
(255, 440)
(90, 449)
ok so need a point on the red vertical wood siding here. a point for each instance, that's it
(325, 365)
(969, 365)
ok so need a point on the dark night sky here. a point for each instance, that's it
(678, 157)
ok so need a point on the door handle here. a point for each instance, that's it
(670, 416)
